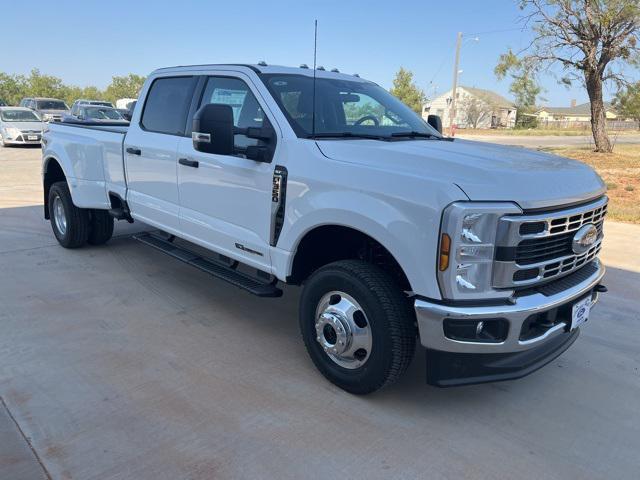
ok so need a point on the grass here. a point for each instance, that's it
(621, 172)
(534, 132)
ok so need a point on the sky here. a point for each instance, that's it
(87, 42)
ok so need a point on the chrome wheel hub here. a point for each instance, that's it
(59, 216)
(343, 330)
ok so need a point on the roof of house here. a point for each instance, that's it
(582, 109)
(490, 97)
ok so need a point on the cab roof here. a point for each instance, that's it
(262, 68)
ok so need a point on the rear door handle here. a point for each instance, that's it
(134, 151)
(189, 163)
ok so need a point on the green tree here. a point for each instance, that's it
(124, 87)
(407, 91)
(588, 39)
(627, 102)
(41, 85)
(13, 88)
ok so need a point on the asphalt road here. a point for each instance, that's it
(117, 362)
(548, 141)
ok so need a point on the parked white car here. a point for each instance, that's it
(19, 126)
(484, 254)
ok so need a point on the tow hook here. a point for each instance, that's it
(601, 288)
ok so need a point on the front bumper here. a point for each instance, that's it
(23, 139)
(455, 362)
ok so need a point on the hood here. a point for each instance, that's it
(24, 125)
(484, 171)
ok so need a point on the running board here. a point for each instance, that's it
(218, 270)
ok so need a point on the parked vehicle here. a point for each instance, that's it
(3, 103)
(19, 126)
(97, 114)
(128, 112)
(49, 109)
(125, 103)
(76, 105)
(485, 254)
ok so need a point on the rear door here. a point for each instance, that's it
(151, 147)
(226, 200)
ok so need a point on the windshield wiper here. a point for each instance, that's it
(415, 135)
(367, 136)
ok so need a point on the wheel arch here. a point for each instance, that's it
(328, 243)
(52, 172)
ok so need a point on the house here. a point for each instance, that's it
(574, 113)
(475, 108)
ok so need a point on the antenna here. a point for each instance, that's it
(315, 50)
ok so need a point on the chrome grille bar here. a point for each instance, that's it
(537, 248)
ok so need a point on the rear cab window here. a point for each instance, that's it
(167, 105)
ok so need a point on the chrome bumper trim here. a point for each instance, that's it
(431, 315)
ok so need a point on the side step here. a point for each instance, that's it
(217, 269)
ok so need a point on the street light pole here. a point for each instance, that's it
(452, 113)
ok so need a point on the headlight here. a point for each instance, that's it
(12, 132)
(467, 245)
(47, 117)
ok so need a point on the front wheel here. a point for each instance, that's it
(357, 325)
(70, 224)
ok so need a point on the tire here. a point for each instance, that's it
(76, 227)
(100, 227)
(388, 317)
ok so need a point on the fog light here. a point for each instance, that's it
(492, 330)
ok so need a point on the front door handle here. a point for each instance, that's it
(189, 163)
(134, 151)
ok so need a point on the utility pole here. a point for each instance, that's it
(452, 113)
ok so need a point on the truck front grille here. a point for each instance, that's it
(536, 248)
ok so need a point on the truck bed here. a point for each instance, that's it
(91, 155)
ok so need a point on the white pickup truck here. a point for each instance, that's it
(267, 176)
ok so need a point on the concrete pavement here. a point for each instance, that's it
(118, 362)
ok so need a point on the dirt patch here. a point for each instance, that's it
(621, 172)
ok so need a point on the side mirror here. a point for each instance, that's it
(213, 129)
(436, 122)
(127, 115)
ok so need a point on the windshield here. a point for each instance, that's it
(52, 105)
(19, 116)
(102, 113)
(343, 108)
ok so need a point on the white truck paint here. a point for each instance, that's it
(395, 191)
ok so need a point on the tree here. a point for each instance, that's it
(13, 88)
(41, 85)
(524, 86)
(475, 111)
(589, 39)
(407, 91)
(627, 102)
(124, 87)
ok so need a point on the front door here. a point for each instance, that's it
(225, 200)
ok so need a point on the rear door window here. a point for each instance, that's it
(167, 105)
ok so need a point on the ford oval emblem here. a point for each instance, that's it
(584, 238)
